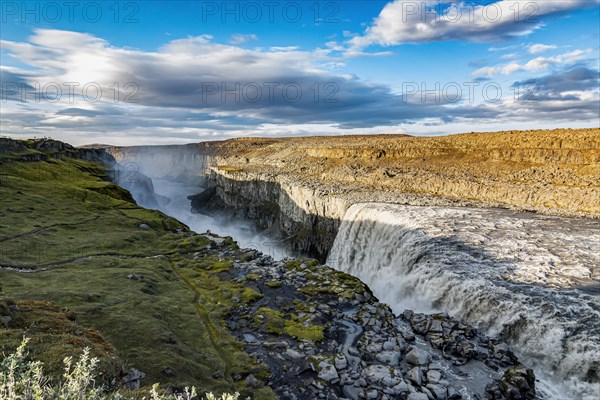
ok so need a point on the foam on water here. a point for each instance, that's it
(531, 280)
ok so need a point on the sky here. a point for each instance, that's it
(154, 72)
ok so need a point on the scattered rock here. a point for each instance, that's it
(135, 277)
(391, 358)
(325, 344)
(417, 396)
(294, 355)
(377, 374)
(341, 362)
(131, 381)
(416, 376)
(6, 319)
(516, 384)
(434, 376)
(328, 372)
(417, 357)
(218, 374)
(252, 382)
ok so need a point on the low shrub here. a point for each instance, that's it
(21, 379)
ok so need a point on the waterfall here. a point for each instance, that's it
(530, 280)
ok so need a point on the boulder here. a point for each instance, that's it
(341, 362)
(376, 373)
(415, 375)
(417, 357)
(251, 382)
(391, 358)
(328, 372)
(417, 396)
(131, 381)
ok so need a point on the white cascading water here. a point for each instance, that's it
(531, 280)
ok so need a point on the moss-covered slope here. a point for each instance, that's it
(139, 278)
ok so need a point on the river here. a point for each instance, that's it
(532, 280)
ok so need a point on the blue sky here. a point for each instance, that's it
(178, 72)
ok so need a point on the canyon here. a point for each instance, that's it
(453, 264)
(329, 198)
(84, 267)
(302, 187)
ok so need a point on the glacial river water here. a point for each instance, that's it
(531, 280)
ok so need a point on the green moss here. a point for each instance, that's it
(313, 333)
(249, 295)
(271, 320)
(229, 242)
(274, 284)
(67, 218)
(54, 335)
(275, 322)
(301, 306)
(253, 277)
(346, 287)
(222, 266)
(296, 264)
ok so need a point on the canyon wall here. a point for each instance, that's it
(305, 219)
(303, 186)
(546, 171)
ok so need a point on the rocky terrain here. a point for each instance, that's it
(548, 171)
(324, 335)
(180, 308)
(302, 187)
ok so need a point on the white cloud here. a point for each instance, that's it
(572, 57)
(485, 72)
(283, 48)
(510, 68)
(536, 64)
(540, 48)
(174, 106)
(224, 82)
(239, 38)
(429, 21)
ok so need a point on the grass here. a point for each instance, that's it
(65, 217)
(59, 210)
(54, 335)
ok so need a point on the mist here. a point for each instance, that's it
(172, 199)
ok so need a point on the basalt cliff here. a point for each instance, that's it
(302, 187)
